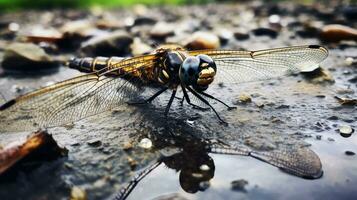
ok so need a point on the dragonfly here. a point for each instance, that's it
(109, 82)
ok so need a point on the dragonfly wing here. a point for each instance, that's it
(246, 66)
(67, 101)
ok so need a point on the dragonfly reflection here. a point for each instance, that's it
(189, 156)
(110, 82)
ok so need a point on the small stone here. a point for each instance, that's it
(239, 185)
(346, 130)
(318, 137)
(132, 163)
(203, 40)
(100, 182)
(139, 48)
(319, 76)
(346, 101)
(224, 35)
(273, 19)
(350, 153)
(20, 56)
(144, 21)
(127, 146)
(145, 143)
(337, 32)
(350, 61)
(161, 30)
(241, 35)
(330, 139)
(116, 43)
(94, 142)
(245, 98)
(14, 27)
(265, 32)
(333, 118)
(283, 106)
(275, 22)
(78, 194)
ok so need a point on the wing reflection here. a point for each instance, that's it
(189, 156)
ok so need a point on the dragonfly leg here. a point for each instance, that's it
(149, 100)
(212, 97)
(185, 95)
(206, 102)
(125, 192)
(170, 102)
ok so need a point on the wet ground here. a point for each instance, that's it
(294, 119)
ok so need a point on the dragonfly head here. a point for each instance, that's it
(198, 71)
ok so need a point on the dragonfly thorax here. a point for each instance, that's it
(198, 71)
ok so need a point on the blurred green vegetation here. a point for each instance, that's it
(18, 4)
(45, 4)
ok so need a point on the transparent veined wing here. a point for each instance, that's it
(246, 66)
(73, 99)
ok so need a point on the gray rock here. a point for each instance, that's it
(113, 44)
(26, 56)
(239, 185)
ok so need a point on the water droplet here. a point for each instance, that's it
(145, 143)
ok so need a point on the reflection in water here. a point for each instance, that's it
(189, 156)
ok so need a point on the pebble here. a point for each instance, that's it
(142, 20)
(94, 142)
(265, 32)
(330, 139)
(319, 75)
(20, 56)
(138, 47)
(245, 98)
(275, 21)
(224, 35)
(337, 32)
(132, 163)
(145, 143)
(203, 40)
(78, 194)
(127, 146)
(350, 153)
(14, 27)
(161, 30)
(114, 44)
(346, 101)
(241, 35)
(346, 130)
(318, 137)
(239, 185)
(333, 118)
(350, 61)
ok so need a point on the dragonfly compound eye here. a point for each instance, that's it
(190, 70)
(207, 72)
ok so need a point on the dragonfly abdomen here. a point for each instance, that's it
(96, 64)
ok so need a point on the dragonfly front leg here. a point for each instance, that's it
(214, 98)
(185, 96)
(206, 102)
